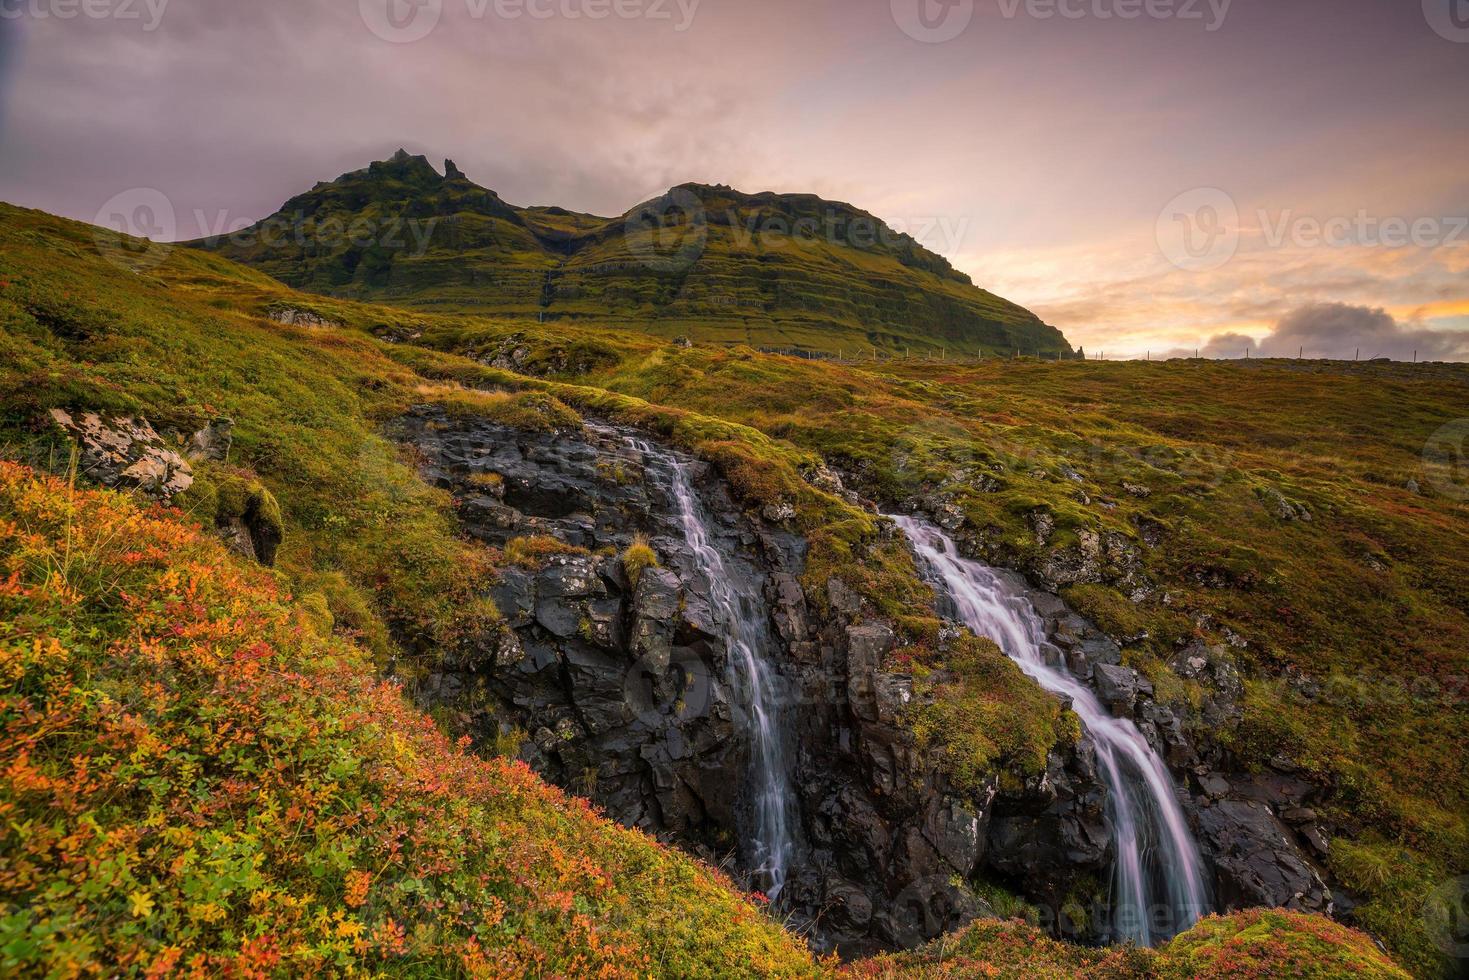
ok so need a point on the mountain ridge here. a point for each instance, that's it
(707, 261)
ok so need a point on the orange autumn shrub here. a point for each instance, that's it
(194, 781)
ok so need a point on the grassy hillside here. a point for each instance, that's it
(199, 776)
(202, 779)
(1370, 590)
(779, 271)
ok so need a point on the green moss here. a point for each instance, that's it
(987, 715)
(1263, 943)
(247, 499)
(1402, 892)
(533, 551)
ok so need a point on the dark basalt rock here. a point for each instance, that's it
(625, 693)
(1255, 860)
(1052, 836)
(625, 697)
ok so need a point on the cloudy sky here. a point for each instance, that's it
(1149, 175)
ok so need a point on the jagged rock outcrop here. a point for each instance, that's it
(624, 693)
(1256, 832)
(293, 316)
(212, 442)
(127, 453)
(124, 452)
(1256, 862)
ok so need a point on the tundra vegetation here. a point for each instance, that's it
(205, 773)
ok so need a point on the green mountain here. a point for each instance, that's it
(789, 271)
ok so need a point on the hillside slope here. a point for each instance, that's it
(780, 271)
(201, 779)
(1369, 591)
(199, 776)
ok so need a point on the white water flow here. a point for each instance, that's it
(1159, 885)
(753, 681)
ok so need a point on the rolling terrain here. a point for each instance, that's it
(1283, 521)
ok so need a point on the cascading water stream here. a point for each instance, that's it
(754, 682)
(1159, 883)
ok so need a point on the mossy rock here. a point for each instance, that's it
(1275, 943)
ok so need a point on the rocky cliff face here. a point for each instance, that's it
(621, 686)
(1257, 831)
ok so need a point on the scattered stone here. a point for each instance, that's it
(778, 513)
(844, 601)
(124, 452)
(293, 316)
(1282, 508)
(1214, 785)
(1118, 688)
(212, 442)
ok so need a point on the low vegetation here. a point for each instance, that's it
(1330, 620)
(638, 558)
(1252, 945)
(200, 779)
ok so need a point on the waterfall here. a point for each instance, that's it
(742, 615)
(1159, 886)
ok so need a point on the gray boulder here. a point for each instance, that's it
(1255, 862)
(1117, 687)
(124, 452)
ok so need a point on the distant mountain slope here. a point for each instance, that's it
(772, 270)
